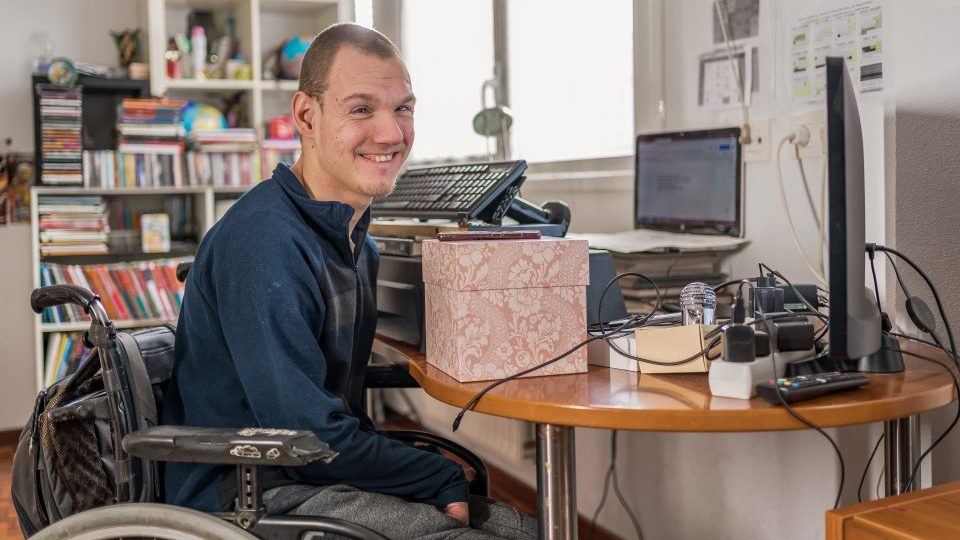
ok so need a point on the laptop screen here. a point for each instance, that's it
(689, 182)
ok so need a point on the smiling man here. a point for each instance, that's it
(279, 314)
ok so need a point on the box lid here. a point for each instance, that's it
(474, 265)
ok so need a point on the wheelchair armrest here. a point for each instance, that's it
(480, 484)
(249, 446)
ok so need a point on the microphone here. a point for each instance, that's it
(698, 304)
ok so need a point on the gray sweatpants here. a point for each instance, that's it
(398, 519)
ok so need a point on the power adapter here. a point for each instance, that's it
(739, 343)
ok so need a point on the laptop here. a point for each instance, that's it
(688, 194)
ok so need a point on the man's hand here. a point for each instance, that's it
(459, 511)
(467, 469)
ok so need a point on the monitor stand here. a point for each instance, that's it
(887, 360)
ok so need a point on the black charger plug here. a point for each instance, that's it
(739, 343)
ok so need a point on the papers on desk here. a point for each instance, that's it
(640, 240)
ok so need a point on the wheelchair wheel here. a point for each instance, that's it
(142, 520)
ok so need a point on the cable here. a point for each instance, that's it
(906, 293)
(806, 186)
(867, 467)
(786, 212)
(918, 340)
(476, 398)
(617, 278)
(615, 331)
(876, 286)
(813, 311)
(956, 418)
(896, 272)
(787, 406)
(725, 284)
(883, 472)
(741, 96)
(936, 296)
(612, 474)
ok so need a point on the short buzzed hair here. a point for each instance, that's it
(317, 61)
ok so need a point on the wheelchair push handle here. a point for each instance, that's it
(182, 270)
(55, 295)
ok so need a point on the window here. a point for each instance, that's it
(571, 79)
(448, 49)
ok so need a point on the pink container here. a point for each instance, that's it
(497, 307)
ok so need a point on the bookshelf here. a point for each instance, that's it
(260, 26)
(203, 216)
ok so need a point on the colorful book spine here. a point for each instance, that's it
(129, 291)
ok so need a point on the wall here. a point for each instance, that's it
(80, 31)
(926, 173)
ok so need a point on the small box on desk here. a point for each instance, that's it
(497, 307)
(666, 345)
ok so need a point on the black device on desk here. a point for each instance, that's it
(477, 196)
(453, 191)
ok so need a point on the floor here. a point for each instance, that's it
(9, 529)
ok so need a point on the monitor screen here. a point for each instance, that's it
(854, 316)
(689, 181)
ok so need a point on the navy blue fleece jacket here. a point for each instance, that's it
(275, 331)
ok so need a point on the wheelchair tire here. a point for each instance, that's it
(142, 520)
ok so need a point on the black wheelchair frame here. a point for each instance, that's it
(137, 447)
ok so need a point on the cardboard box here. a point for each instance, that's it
(497, 307)
(674, 343)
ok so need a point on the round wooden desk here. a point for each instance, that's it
(617, 399)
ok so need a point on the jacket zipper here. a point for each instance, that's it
(356, 326)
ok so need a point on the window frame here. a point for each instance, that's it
(648, 110)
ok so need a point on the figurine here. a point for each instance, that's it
(128, 45)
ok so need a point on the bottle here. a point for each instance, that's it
(198, 46)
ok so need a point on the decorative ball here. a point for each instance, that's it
(291, 56)
(202, 117)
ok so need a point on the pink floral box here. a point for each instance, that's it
(497, 307)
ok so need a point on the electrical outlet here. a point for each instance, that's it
(759, 147)
(816, 122)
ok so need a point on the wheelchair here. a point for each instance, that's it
(88, 462)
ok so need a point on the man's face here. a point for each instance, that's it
(365, 127)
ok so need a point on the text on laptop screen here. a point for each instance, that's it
(685, 179)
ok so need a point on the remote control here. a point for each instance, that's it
(804, 387)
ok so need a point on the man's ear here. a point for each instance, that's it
(306, 112)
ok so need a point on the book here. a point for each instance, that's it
(155, 233)
(128, 291)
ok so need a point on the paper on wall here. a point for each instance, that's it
(853, 29)
(717, 87)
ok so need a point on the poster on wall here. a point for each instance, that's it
(717, 86)
(853, 30)
(717, 83)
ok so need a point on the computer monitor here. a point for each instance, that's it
(854, 316)
(689, 181)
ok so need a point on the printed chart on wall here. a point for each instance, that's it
(853, 30)
(717, 83)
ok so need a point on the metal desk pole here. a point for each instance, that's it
(901, 448)
(556, 482)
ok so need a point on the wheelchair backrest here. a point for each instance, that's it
(66, 460)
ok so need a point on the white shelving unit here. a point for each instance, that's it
(205, 198)
(261, 25)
